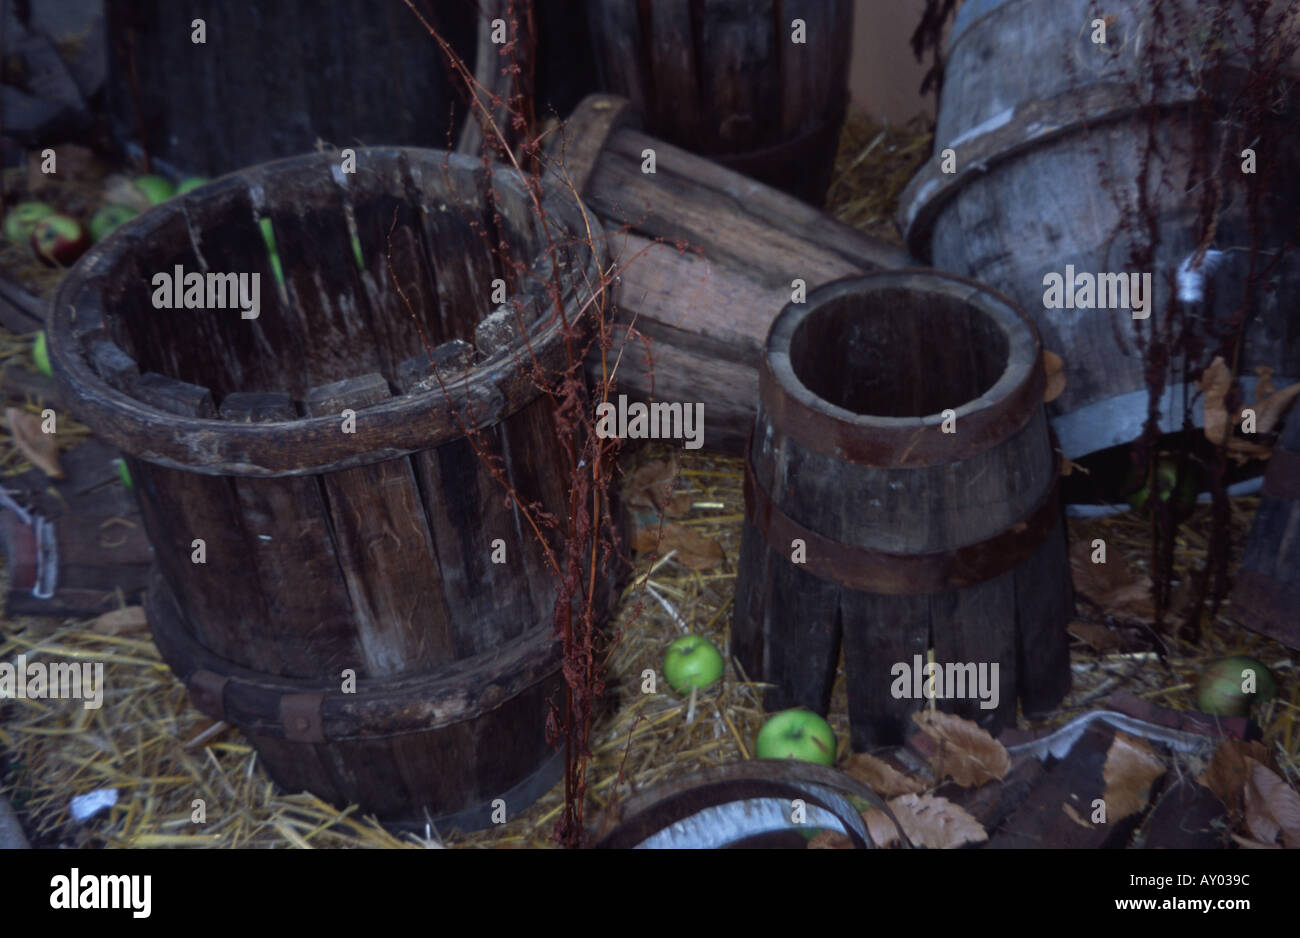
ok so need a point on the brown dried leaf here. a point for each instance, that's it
(1112, 585)
(1242, 451)
(935, 822)
(693, 549)
(121, 621)
(649, 487)
(1131, 767)
(40, 448)
(1264, 386)
(882, 829)
(967, 753)
(1249, 844)
(830, 840)
(881, 777)
(1074, 816)
(1270, 410)
(1215, 383)
(1226, 772)
(1098, 636)
(1272, 807)
(1054, 366)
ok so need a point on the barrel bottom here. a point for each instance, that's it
(463, 748)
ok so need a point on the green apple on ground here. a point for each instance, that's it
(189, 183)
(1218, 692)
(22, 218)
(41, 355)
(157, 189)
(692, 661)
(109, 217)
(59, 240)
(797, 734)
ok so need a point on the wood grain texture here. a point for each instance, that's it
(948, 343)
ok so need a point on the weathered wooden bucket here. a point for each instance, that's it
(318, 509)
(1049, 136)
(1266, 596)
(900, 496)
(706, 257)
(724, 78)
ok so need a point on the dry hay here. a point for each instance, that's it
(873, 165)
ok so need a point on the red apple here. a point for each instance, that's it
(59, 240)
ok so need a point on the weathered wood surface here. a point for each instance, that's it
(193, 103)
(1049, 141)
(103, 553)
(901, 557)
(1266, 597)
(706, 259)
(388, 550)
(724, 78)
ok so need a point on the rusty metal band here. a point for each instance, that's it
(891, 574)
(1282, 480)
(910, 447)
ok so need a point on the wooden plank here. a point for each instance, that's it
(384, 548)
(879, 632)
(670, 45)
(735, 77)
(288, 530)
(1187, 816)
(802, 630)
(175, 397)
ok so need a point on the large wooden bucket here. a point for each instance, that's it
(900, 497)
(706, 258)
(726, 79)
(318, 508)
(1050, 142)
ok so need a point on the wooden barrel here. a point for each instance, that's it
(706, 260)
(316, 505)
(901, 497)
(1050, 137)
(1266, 596)
(727, 78)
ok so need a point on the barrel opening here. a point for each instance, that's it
(896, 352)
(285, 279)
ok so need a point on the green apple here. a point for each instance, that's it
(268, 235)
(109, 217)
(59, 240)
(692, 661)
(1218, 692)
(1167, 485)
(797, 734)
(22, 218)
(41, 355)
(189, 183)
(157, 189)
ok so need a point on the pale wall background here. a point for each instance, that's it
(884, 76)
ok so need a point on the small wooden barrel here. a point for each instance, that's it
(1050, 137)
(703, 272)
(1267, 592)
(867, 524)
(724, 78)
(315, 504)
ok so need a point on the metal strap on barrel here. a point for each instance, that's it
(874, 571)
(1282, 480)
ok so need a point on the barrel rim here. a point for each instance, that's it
(993, 416)
(394, 428)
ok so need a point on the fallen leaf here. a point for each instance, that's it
(881, 777)
(121, 621)
(40, 448)
(1098, 636)
(882, 829)
(1054, 366)
(935, 822)
(693, 549)
(1111, 586)
(1253, 844)
(830, 840)
(1215, 382)
(1131, 768)
(967, 753)
(1229, 767)
(650, 486)
(1272, 807)
(1263, 386)
(1270, 410)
